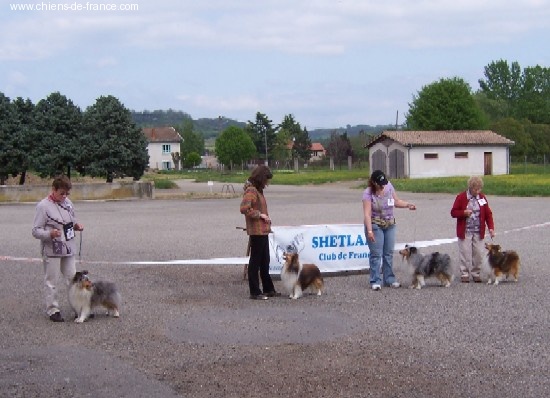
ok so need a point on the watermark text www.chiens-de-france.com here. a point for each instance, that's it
(75, 6)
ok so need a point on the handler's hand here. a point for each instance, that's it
(370, 236)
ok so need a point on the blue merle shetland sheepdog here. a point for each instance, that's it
(424, 266)
(85, 295)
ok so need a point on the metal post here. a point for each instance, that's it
(265, 142)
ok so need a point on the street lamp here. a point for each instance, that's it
(265, 142)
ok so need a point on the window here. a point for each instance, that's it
(461, 155)
(431, 156)
(166, 165)
(166, 148)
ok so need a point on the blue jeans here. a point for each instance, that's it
(381, 254)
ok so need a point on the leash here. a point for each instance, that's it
(80, 248)
(414, 228)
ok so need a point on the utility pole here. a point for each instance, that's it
(265, 142)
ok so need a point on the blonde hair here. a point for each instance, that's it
(475, 182)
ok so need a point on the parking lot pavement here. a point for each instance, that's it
(191, 331)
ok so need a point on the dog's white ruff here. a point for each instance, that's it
(290, 281)
(80, 299)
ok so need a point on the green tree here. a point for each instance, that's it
(534, 103)
(514, 130)
(494, 109)
(502, 81)
(540, 134)
(58, 125)
(10, 130)
(358, 142)
(263, 135)
(301, 143)
(445, 105)
(192, 141)
(526, 93)
(281, 148)
(193, 159)
(234, 146)
(339, 147)
(115, 145)
(26, 136)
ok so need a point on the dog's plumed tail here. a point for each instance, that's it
(107, 295)
(310, 275)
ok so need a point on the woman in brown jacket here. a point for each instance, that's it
(258, 227)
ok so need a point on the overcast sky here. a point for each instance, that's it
(328, 62)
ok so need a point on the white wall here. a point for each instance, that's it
(447, 165)
(156, 157)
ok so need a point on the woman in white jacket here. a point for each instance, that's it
(55, 225)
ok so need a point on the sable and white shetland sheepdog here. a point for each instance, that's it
(434, 264)
(85, 295)
(502, 263)
(297, 277)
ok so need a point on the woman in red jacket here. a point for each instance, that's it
(472, 213)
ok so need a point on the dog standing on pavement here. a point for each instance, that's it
(85, 295)
(297, 277)
(424, 266)
(502, 263)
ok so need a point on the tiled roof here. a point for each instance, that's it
(161, 134)
(317, 146)
(443, 137)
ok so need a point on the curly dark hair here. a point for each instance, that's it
(259, 177)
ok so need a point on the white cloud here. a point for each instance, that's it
(322, 60)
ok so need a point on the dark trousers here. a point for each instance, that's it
(259, 262)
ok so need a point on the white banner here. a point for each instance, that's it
(333, 248)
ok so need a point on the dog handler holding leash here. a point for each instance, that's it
(258, 227)
(55, 225)
(472, 212)
(379, 201)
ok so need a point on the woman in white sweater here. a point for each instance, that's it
(55, 225)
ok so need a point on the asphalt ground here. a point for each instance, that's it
(191, 331)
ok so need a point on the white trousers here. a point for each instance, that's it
(54, 267)
(470, 254)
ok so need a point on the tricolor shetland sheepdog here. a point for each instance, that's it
(297, 277)
(502, 263)
(434, 264)
(85, 295)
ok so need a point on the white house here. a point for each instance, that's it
(423, 154)
(317, 150)
(162, 141)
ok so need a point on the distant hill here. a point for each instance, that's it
(211, 127)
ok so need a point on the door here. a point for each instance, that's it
(488, 163)
(397, 164)
(378, 161)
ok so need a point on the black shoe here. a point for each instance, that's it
(258, 297)
(56, 317)
(273, 294)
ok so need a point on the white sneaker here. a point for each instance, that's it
(395, 285)
(376, 287)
